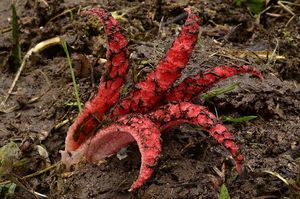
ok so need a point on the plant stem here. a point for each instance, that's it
(16, 44)
(64, 45)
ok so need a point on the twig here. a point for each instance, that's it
(273, 55)
(289, 21)
(38, 48)
(278, 176)
(34, 174)
(286, 8)
(34, 99)
(230, 57)
(44, 2)
(63, 13)
(290, 3)
(124, 12)
(4, 30)
(42, 171)
(273, 14)
(59, 125)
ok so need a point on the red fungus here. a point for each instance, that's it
(149, 92)
(110, 84)
(197, 84)
(171, 115)
(111, 139)
(154, 105)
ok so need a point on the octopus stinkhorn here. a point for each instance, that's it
(110, 121)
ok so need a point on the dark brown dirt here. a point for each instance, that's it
(187, 167)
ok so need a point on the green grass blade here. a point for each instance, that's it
(238, 119)
(11, 187)
(7, 190)
(224, 194)
(9, 154)
(255, 6)
(15, 35)
(64, 45)
(219, 91)
(298, 179)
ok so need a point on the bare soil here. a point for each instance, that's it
(187, 167)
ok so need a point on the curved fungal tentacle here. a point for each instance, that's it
(171, 115)
(111, 139)
(193, 86)
(110, 84)
(148, 92)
